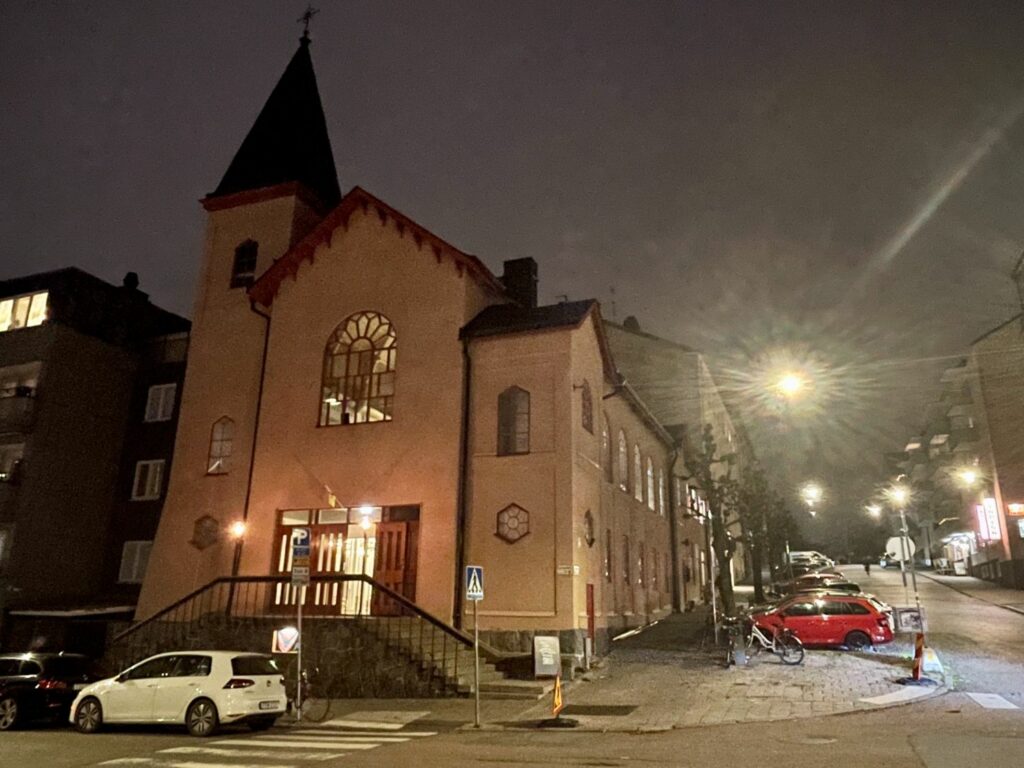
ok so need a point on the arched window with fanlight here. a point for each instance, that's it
(359, 371)
(607, 462)
(222, 438)
(650, 485)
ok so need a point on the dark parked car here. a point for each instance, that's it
(41, 686)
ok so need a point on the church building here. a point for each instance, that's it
(503, 435)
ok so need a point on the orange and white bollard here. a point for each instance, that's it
(918, 656)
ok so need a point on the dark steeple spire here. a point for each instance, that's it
(288, 142)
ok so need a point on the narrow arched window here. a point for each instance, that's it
(513, 422)
(243, 268)
(222, 438)
(607, 463)
(638, 474)
(623, 462)
(359, 371)
(650, 484)
(661, 492)
(587, 407)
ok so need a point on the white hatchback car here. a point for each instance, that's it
(200, 689)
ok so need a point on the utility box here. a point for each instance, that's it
(547, 656)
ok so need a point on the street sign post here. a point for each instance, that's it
(474, 594)
(301, 540)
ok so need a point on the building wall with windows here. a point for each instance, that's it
(67, 375)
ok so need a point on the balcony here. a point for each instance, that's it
(17, 409)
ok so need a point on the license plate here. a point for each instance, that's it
(79, 686)
(268, 705)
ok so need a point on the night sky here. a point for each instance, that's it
(836, 182)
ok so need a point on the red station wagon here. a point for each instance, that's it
(826, 619)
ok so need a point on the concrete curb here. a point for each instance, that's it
(965, 593)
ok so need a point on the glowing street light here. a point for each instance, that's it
(874, 510)
(812, 494)
(237, 529)
(899, 495)
(791, 384)
(968, 477)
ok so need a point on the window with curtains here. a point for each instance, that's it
(513, 422)
(359, 371)
(638, 474)
(661, 492)
(607, 463)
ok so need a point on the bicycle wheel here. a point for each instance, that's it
(315, 709)
(791, 650)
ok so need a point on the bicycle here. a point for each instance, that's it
(313, 706)
(783, 643)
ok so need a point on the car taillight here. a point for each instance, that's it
(239, 682)
(52, 685)
(883, 621)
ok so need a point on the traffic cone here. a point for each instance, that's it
(557, 704)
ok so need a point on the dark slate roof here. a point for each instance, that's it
(289, 141)
(512, 318)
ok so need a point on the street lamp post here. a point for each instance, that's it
(900, 496)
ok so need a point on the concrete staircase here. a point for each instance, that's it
(454, 663)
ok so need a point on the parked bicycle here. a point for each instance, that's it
(744, 633)
(314, 705)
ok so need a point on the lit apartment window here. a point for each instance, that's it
(243, 269)
(160, 402)
(638, 474)
(10, 460)
(134, 558)
(23, 311)
(222, 437)
(513, 422)
(149, 480)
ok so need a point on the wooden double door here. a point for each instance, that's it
(387, 551)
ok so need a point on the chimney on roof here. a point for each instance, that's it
(131, 281)
(520, 281)
(631, 324)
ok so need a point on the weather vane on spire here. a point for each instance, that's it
(305, 19)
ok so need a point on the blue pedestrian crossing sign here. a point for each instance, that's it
(474, 582)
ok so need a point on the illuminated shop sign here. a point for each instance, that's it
(1016, 509)
(988, 520)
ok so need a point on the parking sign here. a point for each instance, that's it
(301, 540)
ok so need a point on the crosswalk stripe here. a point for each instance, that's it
(382, 738)
(229, 752)
(335, 730)
(172, 763)
(303, 744)
(991, 701)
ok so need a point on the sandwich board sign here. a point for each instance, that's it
(474, 582)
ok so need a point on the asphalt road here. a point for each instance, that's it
(981, 646)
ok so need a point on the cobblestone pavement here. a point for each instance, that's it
(645, 685)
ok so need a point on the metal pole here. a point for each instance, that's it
(913, 573)
(476, 667)
(711, 574)
(903, 560)
(300, 594)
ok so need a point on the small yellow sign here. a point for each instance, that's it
(557, 705)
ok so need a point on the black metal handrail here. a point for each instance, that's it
(457, 635)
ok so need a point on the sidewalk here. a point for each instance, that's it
(1004, 597)
(649, 683)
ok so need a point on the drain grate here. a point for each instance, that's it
(608, 710)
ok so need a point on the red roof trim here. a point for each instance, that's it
(265, 289)
(249, 196)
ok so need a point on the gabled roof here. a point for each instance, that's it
(289, 141)
(513, 318)
(266, 287)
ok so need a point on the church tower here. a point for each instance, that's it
(280, 184)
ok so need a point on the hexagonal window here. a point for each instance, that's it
(513, 523)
